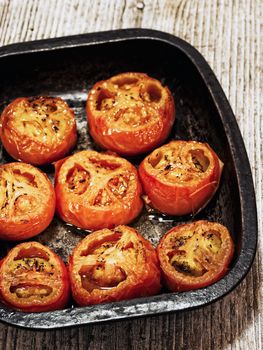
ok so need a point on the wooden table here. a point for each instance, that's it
(227, 33)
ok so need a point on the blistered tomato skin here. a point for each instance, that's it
(112, 265)
(38, 130)
(27, 201)
(33, 279)
(195, 255)
(181, 177)
(130, 113)
(96, 190)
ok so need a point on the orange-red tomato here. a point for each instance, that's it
(181, 177)
(96, 190)
(195, 255)
(33, 279)
(111, 265)
(130, 113)
(27, 201)
(38, 130)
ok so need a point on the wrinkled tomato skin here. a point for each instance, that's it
(57, 303)
(143, 276)
(134, 141)
(173, 199)
(178, 282)
(83, 215)
(24, 148)
(19, 227)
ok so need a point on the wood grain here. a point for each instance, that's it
(229, 35)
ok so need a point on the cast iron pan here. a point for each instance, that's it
(68, 67)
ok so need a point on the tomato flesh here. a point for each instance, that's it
(110, 265)
(130, 113)
(195, 255)
(96, 190)
(181, 177)
(33, 279)
(27, 201)
(26, 291)
(38, 130)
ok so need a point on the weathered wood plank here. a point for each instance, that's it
(229, 35)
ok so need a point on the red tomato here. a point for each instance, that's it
(38, 130)
(181, 177)
(195, 255)
(27, 201)
(111, 265)
(33, 279)
(96, 190)
(130, 113)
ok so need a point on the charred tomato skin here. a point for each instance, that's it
(140, 115)
(34, 277)
(97, 190)
(195, 255)
(27, 201)
(38, 130)
(130, 262)
(172, 196)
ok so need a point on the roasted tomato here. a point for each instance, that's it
(111, 265)
(130, 113)
(181, 177)
(27, 201)
(38, 130)
(33, 279)
(195, 255)
(96, 190)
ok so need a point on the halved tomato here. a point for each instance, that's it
(27, 201)
(111, 265)
(195, 255)
(33, 279)
(181, 177)
(96, 190)
(130, 113)
(38, 130)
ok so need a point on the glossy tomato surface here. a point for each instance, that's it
(130, 113)
(111, 265)
(27, 201)
(38, 130)
(181, 177)
(96, 190)
(195, 255)
(33, 279)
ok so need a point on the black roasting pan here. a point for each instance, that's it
(68, 67)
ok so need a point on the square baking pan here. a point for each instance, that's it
(68, 67)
